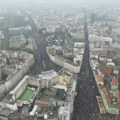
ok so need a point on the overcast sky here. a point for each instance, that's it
(67, 1)
(64, 2)
(73, 1)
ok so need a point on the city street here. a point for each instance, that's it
(40, 53)
(85, 104)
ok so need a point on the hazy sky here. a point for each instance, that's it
(64, 2)
(73, 1)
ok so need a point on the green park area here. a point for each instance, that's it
(26, 95)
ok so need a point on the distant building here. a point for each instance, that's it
(77, 33)
(98, 39)
(20, 30)
(1, 35)
(51, 29)
(17, 41)
(1, 38)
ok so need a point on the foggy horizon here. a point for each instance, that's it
(64, 2)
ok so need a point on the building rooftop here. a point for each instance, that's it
(106, 76)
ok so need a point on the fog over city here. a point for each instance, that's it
(63, 2)
(59, 59)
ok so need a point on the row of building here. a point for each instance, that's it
(106, 71)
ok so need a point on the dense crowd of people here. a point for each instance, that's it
(85, 105)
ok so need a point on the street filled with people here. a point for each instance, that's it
(85, 104)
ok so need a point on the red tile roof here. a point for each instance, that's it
(42, 105)
(115, 82)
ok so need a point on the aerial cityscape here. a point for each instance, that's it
(59, 60)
